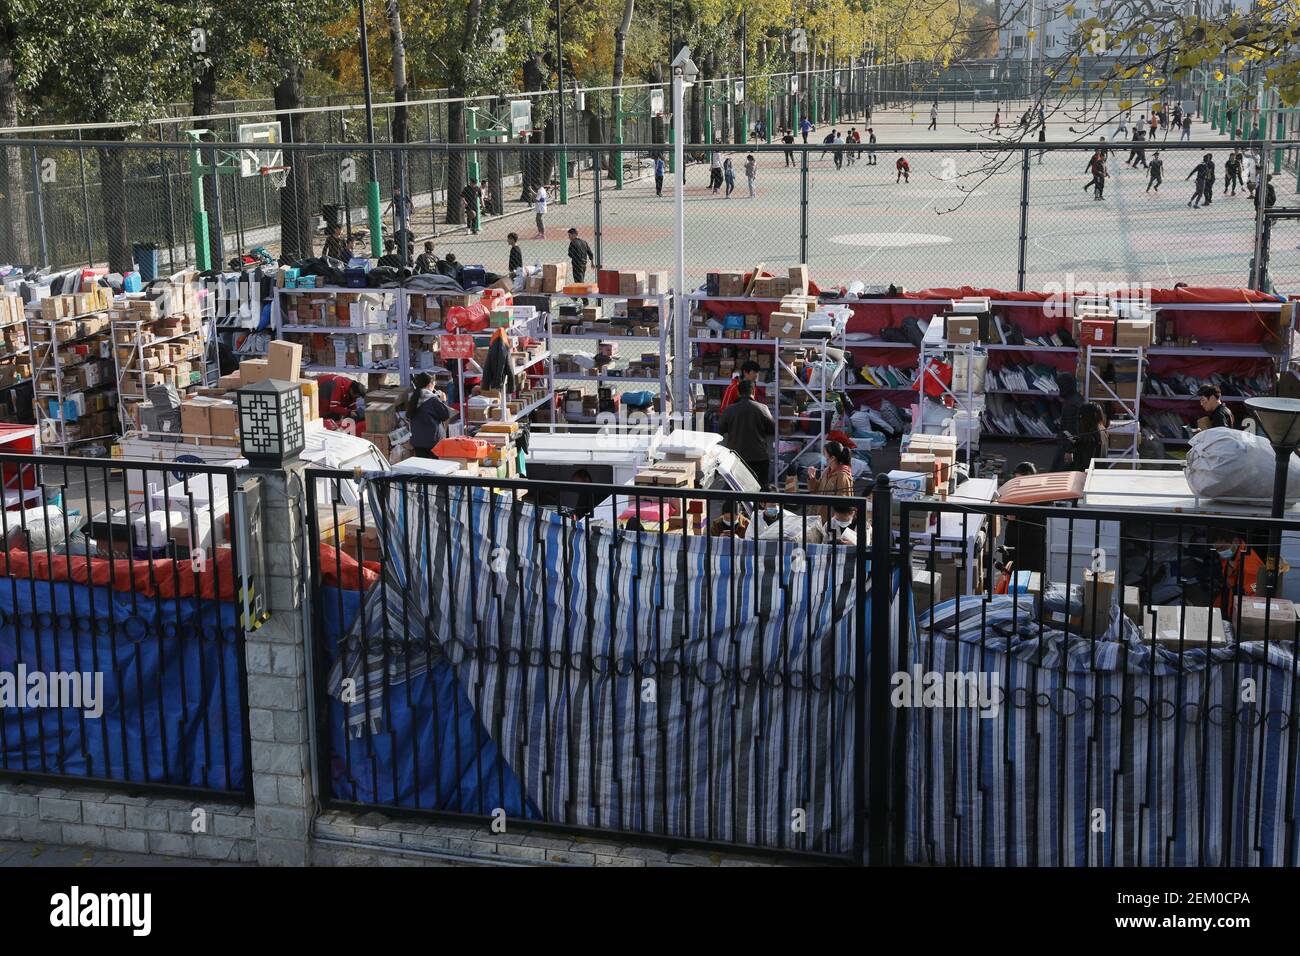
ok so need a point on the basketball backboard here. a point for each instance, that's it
(268, 158)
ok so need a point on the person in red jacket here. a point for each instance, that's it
(904, 170)
(749, 372)
(338, 396)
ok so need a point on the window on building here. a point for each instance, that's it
(1017, 42)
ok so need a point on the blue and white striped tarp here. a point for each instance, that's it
(688, 686)
(1102, 753)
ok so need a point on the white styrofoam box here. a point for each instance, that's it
(972, 304)
(688, 444)
(425, 466)
(150, 530)
(1076, 550)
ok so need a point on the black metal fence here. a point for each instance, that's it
(124, 598)
(1054, 686)
(1130, 700)
(589, 657)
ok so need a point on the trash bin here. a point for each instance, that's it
(146, 260)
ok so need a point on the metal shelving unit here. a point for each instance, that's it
(129, 358)
(663, 340)
(53, 393)
(819, 395)
(395, 298)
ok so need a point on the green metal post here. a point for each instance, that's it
(672, 153)
(376, 219)
(1280, 136)
(768, 127)
(202, 251)
(816, 101)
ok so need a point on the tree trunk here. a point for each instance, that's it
(533, 162)
(620, 42)
(112, 194)
(455, 160)
(393, 13)
(456, 111)
(295, 197)
(13, 192)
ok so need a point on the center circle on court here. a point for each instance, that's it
(891, 239)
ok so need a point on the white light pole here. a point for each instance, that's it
(684, 71)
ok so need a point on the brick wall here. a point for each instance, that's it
(167, 826)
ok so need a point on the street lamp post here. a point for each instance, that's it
(559, 86)
(372, 187)
(683, 71)
(1280, 419)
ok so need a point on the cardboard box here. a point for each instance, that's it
(927, 586)
(962, 328)
(252, 371)
(284, 360)
(223, 420)
(656, 283)
(731, 283)
(1267, 619)
(631, 283)
(1134, 333)
(785, 325)
(1191, 626)
(195, 419)
(1132, 604)
(1099, 595)
(1096, 332)
(555, 275)
(799, 279)
(380, 417)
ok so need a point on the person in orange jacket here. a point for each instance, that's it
(749, 371)
(1241, 570)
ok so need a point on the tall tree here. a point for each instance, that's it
(14, 243)
(106, 61)
(620, 46)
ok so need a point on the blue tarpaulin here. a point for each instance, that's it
(172, 685)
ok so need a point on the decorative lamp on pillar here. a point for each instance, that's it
(1280, 420)
(270, 423)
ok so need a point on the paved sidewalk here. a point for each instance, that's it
(14, 853)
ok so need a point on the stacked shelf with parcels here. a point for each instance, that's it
(620, 342)
(74, 390)
(343, 330)
(15, 355)
(428, 343)
(161, 338)
(802, 409)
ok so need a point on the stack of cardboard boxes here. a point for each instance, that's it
(209, 416)
(158, 339)
(15, 357)
(72, 368)
(386, 425)
(631, 282)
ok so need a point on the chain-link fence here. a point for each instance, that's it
(962, 208)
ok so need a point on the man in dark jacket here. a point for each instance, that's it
(579, 255)
(1204, 173)
(1071, 402)
(747, 429)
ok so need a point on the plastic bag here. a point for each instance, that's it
(1227, 463)
(466, 318)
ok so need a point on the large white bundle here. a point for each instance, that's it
(1227, 463)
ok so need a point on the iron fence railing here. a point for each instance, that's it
(124, 599)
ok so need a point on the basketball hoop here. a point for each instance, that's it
(279, 175)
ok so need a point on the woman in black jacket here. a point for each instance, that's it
(1091, 441)
(427, 414)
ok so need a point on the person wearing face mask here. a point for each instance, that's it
(1241, 569)
(840, 527)
(837, 475)
(769, 515)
